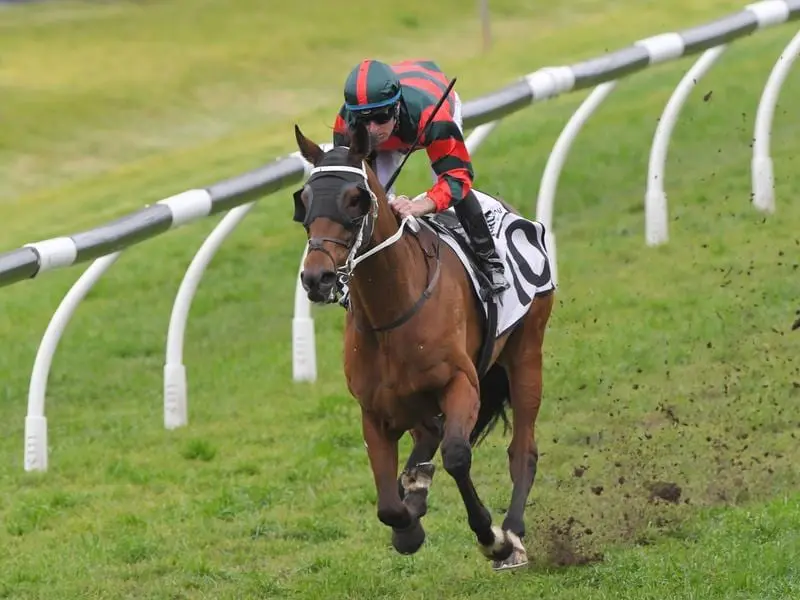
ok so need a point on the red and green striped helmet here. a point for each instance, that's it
(371, 85)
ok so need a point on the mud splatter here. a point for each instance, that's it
(564, 545)
(671, 492)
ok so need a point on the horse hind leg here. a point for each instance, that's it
(417, 476)
(523, 458)
(460, 405)
(525, 378)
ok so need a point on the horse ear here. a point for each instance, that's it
(360, 142)
(309, 150)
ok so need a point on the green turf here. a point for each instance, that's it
(671, 364)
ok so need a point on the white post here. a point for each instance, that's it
(762, 168)
(35, 457)
(486, 29)
(555, 162)
(175, 386)
(304, 355)
(656, 227)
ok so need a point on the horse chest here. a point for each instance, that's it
(381, 376)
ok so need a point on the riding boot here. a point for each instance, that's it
(470, 214)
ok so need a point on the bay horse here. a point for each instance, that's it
(412, 337)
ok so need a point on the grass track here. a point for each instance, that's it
(671, 364)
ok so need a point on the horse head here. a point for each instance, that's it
(338, 206)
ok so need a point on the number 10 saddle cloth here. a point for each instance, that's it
(520, 244)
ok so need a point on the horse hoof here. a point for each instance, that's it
(503, 545)
(517, 559)
(408, 541)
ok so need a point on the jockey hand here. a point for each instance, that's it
(403, 206)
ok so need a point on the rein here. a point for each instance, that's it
(427, 293)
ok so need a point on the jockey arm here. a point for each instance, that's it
(451, 162)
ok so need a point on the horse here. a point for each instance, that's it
(413, 333)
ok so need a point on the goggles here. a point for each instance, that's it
(380, 115)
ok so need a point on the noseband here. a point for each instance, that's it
(315, 244)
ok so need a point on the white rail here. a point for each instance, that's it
(545, 203)
(656, 214)
(35, 422)
(762, 168)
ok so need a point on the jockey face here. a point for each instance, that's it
(381, 133)
(380, 122)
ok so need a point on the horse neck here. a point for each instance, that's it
(388, 283)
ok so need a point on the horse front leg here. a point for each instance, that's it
(460, 404)
(407, 532)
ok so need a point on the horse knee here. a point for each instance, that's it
(457, 457)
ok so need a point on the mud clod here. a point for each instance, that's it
(670, 492)
(669, 413)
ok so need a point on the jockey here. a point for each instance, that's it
(395, 102)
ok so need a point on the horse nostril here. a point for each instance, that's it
(327, 279)
(307, 280)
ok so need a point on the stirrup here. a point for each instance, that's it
(489, 289)
(498, 287)
(497, 282)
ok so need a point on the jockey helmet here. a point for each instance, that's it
(372, 88)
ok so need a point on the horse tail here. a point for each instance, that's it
(495, 398)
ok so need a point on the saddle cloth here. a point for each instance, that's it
(520, 244)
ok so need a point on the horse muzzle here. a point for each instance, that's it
(319, 285)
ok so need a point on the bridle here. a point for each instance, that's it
(365, 223)
(361, 240)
